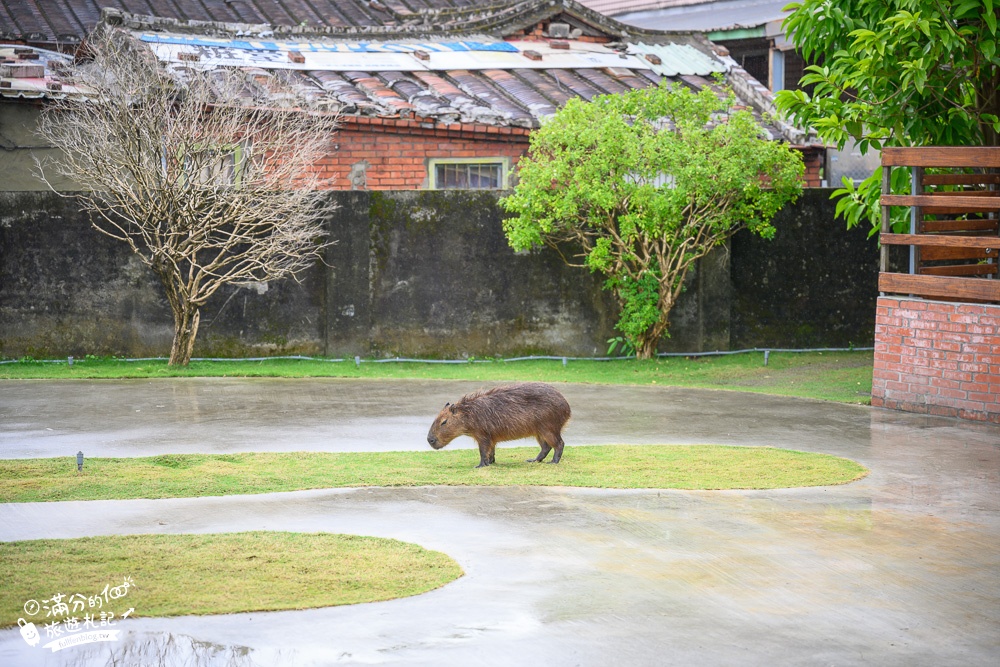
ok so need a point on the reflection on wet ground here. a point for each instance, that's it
(898, 568)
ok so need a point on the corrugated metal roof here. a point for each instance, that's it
(31, 73)
(329, 46)
(708, 15)
(615, 7)
(677, 59)
(480, 54)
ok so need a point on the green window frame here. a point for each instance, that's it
(474, 173)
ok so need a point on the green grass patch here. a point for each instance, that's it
(836, 376)
(223, 573)
(604, 466)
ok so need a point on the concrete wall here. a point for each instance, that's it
(429, 274)
(21, 148)
(442, 282)
(813, 285)
(938, 358)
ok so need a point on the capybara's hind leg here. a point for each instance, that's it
(542, 454)
(559, 444)
(493, 453)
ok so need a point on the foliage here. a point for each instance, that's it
(599, 466)
(619, 343)
(639, 186)
(895, 73)
(206, 185)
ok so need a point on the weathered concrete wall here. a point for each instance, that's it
(66, 289)
(429, 274)
(442, 282)
(813, 285)
(20, 147)
(422, 273)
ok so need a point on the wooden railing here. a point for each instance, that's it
(954, 236)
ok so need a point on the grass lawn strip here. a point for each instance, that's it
(835, 376)
(601, 466)
(215, 573)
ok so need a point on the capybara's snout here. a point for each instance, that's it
(433, 441)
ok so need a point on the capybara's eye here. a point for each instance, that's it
(444, 422)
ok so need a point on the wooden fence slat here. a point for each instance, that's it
(961, 179)
(963, 289)
(959, 225)
(965, 193)
(941, 156)
(949, 265)
(945, 210)
(949, 240)
(963, 203)
(936, 254)
(961, 270)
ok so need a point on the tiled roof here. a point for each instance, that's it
(513, 74)
(67, 21)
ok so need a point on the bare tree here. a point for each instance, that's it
(207, 179)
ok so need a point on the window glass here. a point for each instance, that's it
(468, 175)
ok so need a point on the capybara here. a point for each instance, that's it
(505, 413)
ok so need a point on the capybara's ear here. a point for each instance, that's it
(447, 405)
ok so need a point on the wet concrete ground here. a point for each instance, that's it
(900, 568)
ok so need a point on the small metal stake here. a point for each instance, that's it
(69, 360)
(767, 353)
(357, 361)
(79, 462)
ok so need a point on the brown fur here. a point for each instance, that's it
(504, 413)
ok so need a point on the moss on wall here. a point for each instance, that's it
(424, 273)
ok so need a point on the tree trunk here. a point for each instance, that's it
(646, 345)
(186, 319)
(186, 314)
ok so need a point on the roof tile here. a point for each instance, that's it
(358, 56)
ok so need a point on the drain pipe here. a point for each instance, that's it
(358, 360)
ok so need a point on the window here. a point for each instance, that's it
(468, 173)
(215, 166)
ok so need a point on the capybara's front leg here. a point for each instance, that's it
(485, 453)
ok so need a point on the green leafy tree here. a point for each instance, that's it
(638, 186)
(895, 73)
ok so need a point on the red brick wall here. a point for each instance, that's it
(813, 158)
(396, 151)
(937, 358)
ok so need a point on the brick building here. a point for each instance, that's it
(435, 94)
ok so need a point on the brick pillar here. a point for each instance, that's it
(937, 358)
